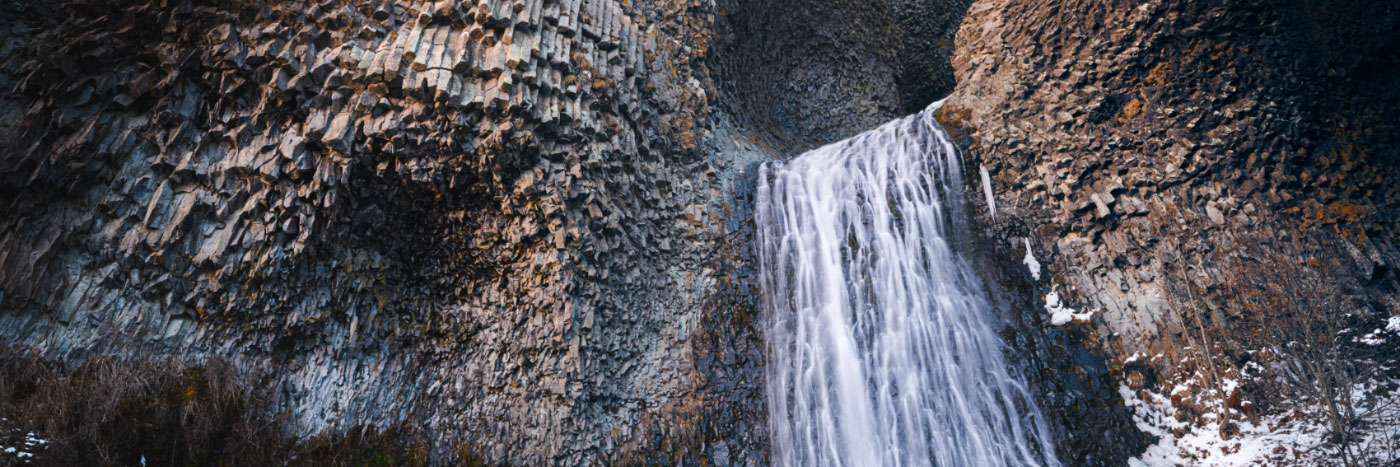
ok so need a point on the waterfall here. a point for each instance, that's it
(881, 344)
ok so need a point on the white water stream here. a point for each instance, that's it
(881, 344)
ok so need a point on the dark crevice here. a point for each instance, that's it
(809, 72)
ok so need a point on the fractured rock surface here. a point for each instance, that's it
(436, 212)
(1134, 137)
(1159, 156)
(516, 224)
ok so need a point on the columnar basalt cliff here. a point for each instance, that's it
(1136, 141)
(525, 226)
(491, 220)
(520, 225)
(1197, 175)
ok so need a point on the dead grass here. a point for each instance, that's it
(109, 412)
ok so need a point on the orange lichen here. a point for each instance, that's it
(1158, 75)
(1347, 218)
(1132, 110)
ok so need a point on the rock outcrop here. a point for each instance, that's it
(490, 220)
(520, 225)
(1138, 139)
(1164, 158)
(524, 225)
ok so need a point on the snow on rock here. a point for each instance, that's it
(1377, 336)
(1030, 261)
(1229, 385)
(1203, 445)
(1373, 339)
(23, 447)
(1060, 314)
(1283, 439)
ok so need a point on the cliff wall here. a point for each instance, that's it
(519, 225)
(1215, 182)
(524, 226)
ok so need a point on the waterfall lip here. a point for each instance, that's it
(938, 104)
(882, 347)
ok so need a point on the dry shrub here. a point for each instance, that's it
(363, 446)
(1293, 306)
(105, 411)
(1278, 311)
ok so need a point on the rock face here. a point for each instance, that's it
(524, 225)
(1136, 140)
(519, 225)
(808, 72)
(828, 70)
(492, 221)
(1162, 156)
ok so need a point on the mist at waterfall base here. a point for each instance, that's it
(881, 346)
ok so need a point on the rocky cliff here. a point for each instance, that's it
(517, 224)
(490, 220)
(1139, 140)
(1215, 182)
(523, 225)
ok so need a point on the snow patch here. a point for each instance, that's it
(1283, 439)
(1376, 337)
(1373, 339)
(1229, 385)
(1254, 444)
(1030, 261)
(23, 448)
(1060, 314)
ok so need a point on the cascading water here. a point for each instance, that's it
(880, 343)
